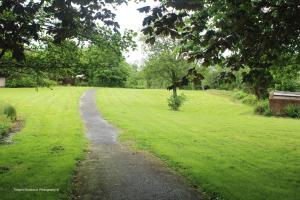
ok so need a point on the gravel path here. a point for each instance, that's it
(112, 171)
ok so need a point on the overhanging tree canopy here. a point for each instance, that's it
(234, 33)
(24, 20)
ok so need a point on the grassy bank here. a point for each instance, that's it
(218, 144)
(45, 152)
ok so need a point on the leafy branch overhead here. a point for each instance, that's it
(22, 21)
(234, 34)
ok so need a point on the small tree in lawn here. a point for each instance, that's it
(165, 69)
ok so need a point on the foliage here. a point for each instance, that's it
(24, 21)
(292, 111)
(135, 79)
(53, 61)
(110, 77)
(263, 108)
(244, 97)
(10, 112)
(215, 143)
(288, 85)
(287, 78)
(160, 49)
(164, 69)
(104, 67)
(101, 62)
(176, 101)
(234, 34)
(25, 80)
(216, 77)
(8, 115)
(5, 125)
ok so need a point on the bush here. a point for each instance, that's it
(250, 100)
(5, 125)
(238, 94)
(263, 108)
(244, 97)
(174, 102)
(288, 85)
(22, 81)
(7, 117)
(10, 112)
(29, 81)
(292, 111)
(47, 83)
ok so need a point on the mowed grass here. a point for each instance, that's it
(218, 144)
(45, 152)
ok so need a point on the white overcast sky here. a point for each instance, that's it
(130, 18)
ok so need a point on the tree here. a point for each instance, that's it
(102, 62)
(104, 67)
(166, 69)
(136, 78)
(287, 78)
(235, 33)
(22, 21)
(62, 62)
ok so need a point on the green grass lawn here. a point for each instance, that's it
(220, 145)
(45, 152)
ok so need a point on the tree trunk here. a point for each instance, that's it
(175, 92)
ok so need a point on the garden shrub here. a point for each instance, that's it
(7, 116)
(288, 85)
(292, 111)
(250, 100)
(29, 81)
(244, 97)
(23, 81)
(5, 124)
(238, 94)
(174, 102)
(10, 112)
(47, 83)
(263, 108)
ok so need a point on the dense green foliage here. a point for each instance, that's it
(259, 35)
(5, 125)
(136, 78)
(292, 111)
(164, 69)
(45, 152)
(175, 102)
(104, 67)
(58, 38)
(217, 143)
(19, 80)
(244, 97)
(98, 64)
(24, 21)
(10, 112)
(263, 108)
(287, 78)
